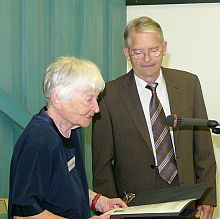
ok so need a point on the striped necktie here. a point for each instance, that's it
(162, 140)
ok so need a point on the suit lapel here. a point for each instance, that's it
(132, 102)
(174, 97)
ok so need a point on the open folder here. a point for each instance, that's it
(166, 202)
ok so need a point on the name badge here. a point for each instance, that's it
(71, 163)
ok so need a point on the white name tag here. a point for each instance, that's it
(71, 163)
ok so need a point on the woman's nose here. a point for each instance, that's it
(96, 106)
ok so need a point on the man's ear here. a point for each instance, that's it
(127, 54)
(164, 47)
(55, 100)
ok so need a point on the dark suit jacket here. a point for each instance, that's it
(121, 146)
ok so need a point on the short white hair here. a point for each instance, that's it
(142, 25)
(68, 74)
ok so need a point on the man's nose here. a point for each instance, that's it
(147, 56)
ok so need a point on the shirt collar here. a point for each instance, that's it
(160, 80)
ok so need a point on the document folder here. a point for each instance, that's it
(166, 202)
(170, 194)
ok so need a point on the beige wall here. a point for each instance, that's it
(193, 35)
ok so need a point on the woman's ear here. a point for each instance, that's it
(55, 100)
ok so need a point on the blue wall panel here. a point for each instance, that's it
(35, 32)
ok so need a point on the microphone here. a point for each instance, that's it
(174, 121)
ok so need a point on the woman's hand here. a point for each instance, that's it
(105, 204)
(103, 216)
(102, 204)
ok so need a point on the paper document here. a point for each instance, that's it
(167, 208)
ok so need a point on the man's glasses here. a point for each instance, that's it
(140, 53)
(128, 197)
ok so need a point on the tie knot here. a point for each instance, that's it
(152, 87)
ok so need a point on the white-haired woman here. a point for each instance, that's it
(47, 178)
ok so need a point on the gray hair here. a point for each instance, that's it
(67, 74)
(142, 24)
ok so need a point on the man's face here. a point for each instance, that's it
(146, 53)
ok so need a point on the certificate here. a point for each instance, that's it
(173, 208)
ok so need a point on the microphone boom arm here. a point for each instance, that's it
(175, 121)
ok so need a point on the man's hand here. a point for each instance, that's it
(204, 211)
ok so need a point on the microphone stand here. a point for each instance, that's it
(215, 130)
(212, 124)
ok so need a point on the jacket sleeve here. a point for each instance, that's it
(204, 158)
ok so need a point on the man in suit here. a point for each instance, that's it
(123, 144)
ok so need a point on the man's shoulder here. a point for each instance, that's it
(177, 73)
(121, 79)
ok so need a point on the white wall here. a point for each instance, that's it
(193, 35)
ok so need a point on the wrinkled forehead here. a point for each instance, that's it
(86, 91)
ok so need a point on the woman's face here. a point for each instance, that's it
(79, 110)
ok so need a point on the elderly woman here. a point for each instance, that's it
(47, 178)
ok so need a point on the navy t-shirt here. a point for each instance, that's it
(47, 172)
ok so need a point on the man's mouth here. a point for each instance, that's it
(147, 65)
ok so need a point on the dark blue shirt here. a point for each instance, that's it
(47, 172)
